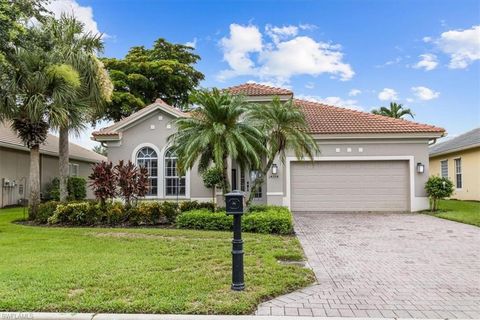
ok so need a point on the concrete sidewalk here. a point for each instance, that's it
(114, 316)
(119, 316)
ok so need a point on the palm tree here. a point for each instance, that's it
(396, 111)
(32, 99)
(73, 46)
(215, 131)
(284, 128)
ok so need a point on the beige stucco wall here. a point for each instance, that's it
(154, 130)
(470, 172)
(15, 166)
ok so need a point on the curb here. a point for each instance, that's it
(124, 316)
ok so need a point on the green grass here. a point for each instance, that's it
(460, 211)
(138, 270)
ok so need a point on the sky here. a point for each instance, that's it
(354, 54)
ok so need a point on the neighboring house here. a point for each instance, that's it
(459, 160)
(366, 163)
(15, 165)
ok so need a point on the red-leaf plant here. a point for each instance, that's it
(103, 181)
(132, 181)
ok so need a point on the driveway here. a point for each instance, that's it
(386, 265)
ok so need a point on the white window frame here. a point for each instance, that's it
(441, 168)
(150, 177)
(458, 172)
(157, 151)
(165, 177)
(73, 169)
(253, 176)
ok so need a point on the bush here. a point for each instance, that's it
(77, 214)
(438, 188)
(272, 219)
(76, 186)
(45, 211)
(204, 219)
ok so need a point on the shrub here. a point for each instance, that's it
(45, 211)
(132, 181)
(103, 181)
(204, 220)
(77, 214)
(277, 220)
(189, 205)
(273, 220)
(76, 186)
(170, 210)
(150, 212)
(438, 188)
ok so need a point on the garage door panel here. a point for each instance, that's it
(350, 186)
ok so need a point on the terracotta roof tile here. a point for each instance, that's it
(255, 89)
(325, 119)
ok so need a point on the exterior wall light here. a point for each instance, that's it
(274, 168)
(420, 167)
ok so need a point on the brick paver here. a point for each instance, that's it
(386, 265)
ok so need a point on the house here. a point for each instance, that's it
(367, 162)
(459, 160)
(15, 165)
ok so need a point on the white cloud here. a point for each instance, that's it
(354, 92)
(334, 101)
(427, 39)
(279, 33)
(463, 46)
(82, 13)
(409, 100)
(243, 40)
(427, 62)
(288, 54)
(192, 43)
(388, 94)
(424, 93)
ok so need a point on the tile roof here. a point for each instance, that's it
(325, 119)
(467, 140)
(9, 139)
(256, 89)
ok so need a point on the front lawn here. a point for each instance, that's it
(138, 270)
(460, 211)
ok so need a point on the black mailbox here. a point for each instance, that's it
(234, 202)
(234, 206)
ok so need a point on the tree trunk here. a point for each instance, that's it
(214, 195)
(34, 178)
(226, 183)
(259, 181)
(63, 160)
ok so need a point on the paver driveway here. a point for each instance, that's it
(386, 265)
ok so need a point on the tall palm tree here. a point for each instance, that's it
(32, 99)
(396, 111)
(72, 45)
(284, 128)
(215, 131)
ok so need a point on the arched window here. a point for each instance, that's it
(174, 184)
(147, 157)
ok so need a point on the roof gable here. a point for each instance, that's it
(115, 129)
(256, 89)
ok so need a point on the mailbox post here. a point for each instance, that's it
(234, 206)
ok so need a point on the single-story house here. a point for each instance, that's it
(459, 160)
(366, 163)
(15, 165)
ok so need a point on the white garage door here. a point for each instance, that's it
(349, 186)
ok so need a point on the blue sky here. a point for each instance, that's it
(356, 54)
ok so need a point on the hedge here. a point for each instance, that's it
(76, 186)
(92, 213)
(268, 219)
